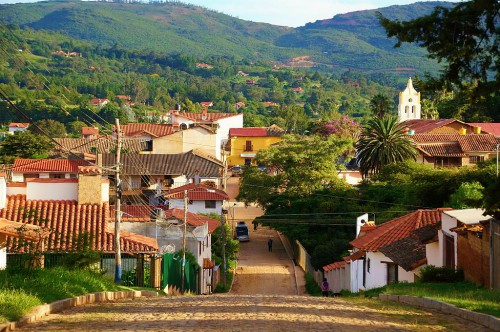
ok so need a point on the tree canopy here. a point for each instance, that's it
(465, 37)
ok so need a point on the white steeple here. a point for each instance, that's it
(409, 103)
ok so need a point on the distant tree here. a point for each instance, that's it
(468, 195)
(50, 127)
(25, 145)
(383, 141)
(111, 111)
(465, 38)
(380, 105)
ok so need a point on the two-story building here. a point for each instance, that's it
(244, 143)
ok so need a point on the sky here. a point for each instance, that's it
(292, 13)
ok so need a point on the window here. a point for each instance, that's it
(392, 273)
(149, 145)
(475, 159)
(413, 109)
(209, 204)
(407, 108)
(248, 146)
(368, 265)
(56, 176)
(31, 176)
(364, 272)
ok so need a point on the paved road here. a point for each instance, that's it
(261, 300)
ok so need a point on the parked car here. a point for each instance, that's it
(242, 231)
(236, 170)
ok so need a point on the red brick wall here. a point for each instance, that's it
(473, 256)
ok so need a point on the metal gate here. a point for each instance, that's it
(172, 272)
(495, 254)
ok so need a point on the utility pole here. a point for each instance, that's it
(118, 214)
(183, 269)
(223, 235)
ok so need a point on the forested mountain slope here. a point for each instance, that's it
(348, 41)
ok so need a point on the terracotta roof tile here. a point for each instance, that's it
(153, 129)
(421, 126)
(90, 131)
(481, 142)
(193, 219)
(67, 219)
(442, 150)
(47, 165)
(206, 117)
(197, 192)
(256, 131)
(101, 144)
(189, 164)
(490, 128)
(396, 229)
(18, 125)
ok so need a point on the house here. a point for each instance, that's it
(206, 104)
(271, 104)
(123, 97)
(241, 73)
(204, 66)
(451, 150)
(174, 138)
(89, 147)
(168, 229)
(251, 82)
(465, 243)
(201, 198)
(297, 90)
(391, 252)
(90, 132)
(71, 209)
(244, 143)
(239, 105)
(18, 126)
(220, 122)
(149, 176)
(99, 102)
(440, 126)
(29, 169)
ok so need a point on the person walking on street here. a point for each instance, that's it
(325, 287)
(270, 245)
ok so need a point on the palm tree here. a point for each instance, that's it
(383, 141)
(380, 105)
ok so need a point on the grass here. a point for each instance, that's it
(22, 290)
(460, 294)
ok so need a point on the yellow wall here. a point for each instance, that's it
(238, 145)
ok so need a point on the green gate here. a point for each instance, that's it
(172, 272)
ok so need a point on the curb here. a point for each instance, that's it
(45, 309)
(488, 321)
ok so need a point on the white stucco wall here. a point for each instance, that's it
(196, 207)
(15, 190)
(433, 254)
(105, 191)
(447, 222)
(3, 192)
(3, 258)
(58, 191)
(377, 277)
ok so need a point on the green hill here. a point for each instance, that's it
(348, 41)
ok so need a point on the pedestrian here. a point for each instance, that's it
(270, 245)
(325, 287)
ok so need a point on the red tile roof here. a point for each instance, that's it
(490, 128)
(90, 131)
(67, 219)
(153, 129)
(333, 266)
(142, 213)
(441, 150)
(422, 126)
(47, 165)
(19, 125)
(454, 145)
(396, 229)
(206, 117)
(197, 192)
(481, 142)
(193, 219)
(256, 131)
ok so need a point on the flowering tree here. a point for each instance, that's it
(345, 128)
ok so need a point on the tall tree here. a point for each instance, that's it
(383, 141)
(25, 145)
(465, 38)
(299, 166)
(380, 105)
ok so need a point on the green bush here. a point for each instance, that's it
(432, 273)
(312, 286)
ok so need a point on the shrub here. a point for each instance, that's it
(432, 273)
(312, 286)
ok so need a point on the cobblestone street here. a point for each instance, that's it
(243, 313)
